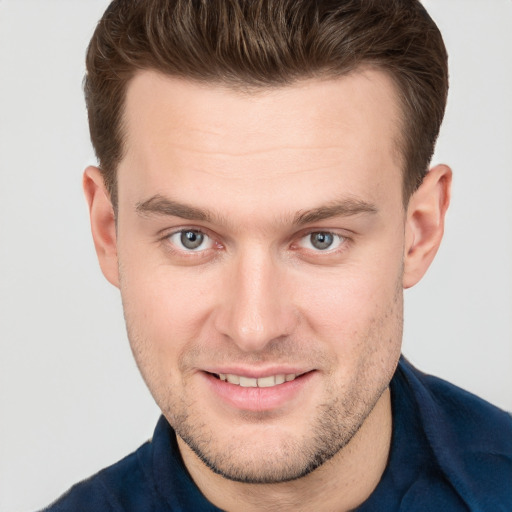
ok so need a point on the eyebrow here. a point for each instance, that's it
(160, 205)
(344, 208)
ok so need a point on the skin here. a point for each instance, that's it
(258, 173)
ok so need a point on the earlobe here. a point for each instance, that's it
(103, 224)
(425, 223)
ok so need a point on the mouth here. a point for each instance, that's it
(259, 393)
(261, 382)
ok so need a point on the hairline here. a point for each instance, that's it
(246, 87)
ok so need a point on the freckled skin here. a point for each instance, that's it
(255, 292)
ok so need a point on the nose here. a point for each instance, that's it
(257, 307)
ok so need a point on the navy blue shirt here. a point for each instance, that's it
(450, 451)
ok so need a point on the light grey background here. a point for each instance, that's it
(71, 399)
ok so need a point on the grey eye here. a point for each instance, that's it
(321, 241)
(191, 240)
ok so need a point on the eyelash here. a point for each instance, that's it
(183, 252)
(344, 241)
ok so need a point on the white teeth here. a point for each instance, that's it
(266, 382)
(233, 379)
(247, 382)
(262, 382)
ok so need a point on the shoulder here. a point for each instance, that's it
(151, 479)
(112, 489)
(478, 424)
(471, 438)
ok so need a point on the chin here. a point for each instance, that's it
(274, 455)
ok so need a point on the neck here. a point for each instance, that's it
(341, 484)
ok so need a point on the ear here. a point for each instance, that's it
(424, 226)
(103, 224)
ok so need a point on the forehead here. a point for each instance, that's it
(343, 128)
(361, 97)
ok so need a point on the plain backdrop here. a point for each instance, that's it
(71, 398)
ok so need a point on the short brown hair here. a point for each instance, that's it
(262, 43)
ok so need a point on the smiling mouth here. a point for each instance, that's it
(262, 382)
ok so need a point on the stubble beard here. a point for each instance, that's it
(291, 459)
(333, 424)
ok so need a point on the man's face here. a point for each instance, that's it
(260, 243)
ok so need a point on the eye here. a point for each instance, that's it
(321, 241)
(191, 240)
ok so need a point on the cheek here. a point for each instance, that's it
(348, 297)
(362, 290)
(165, 310)
(358, 315)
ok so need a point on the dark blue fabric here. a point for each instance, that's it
(450, 451)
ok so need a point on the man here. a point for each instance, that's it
(261, 202)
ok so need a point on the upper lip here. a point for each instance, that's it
(257, 373)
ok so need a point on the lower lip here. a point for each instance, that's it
(258, 399)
